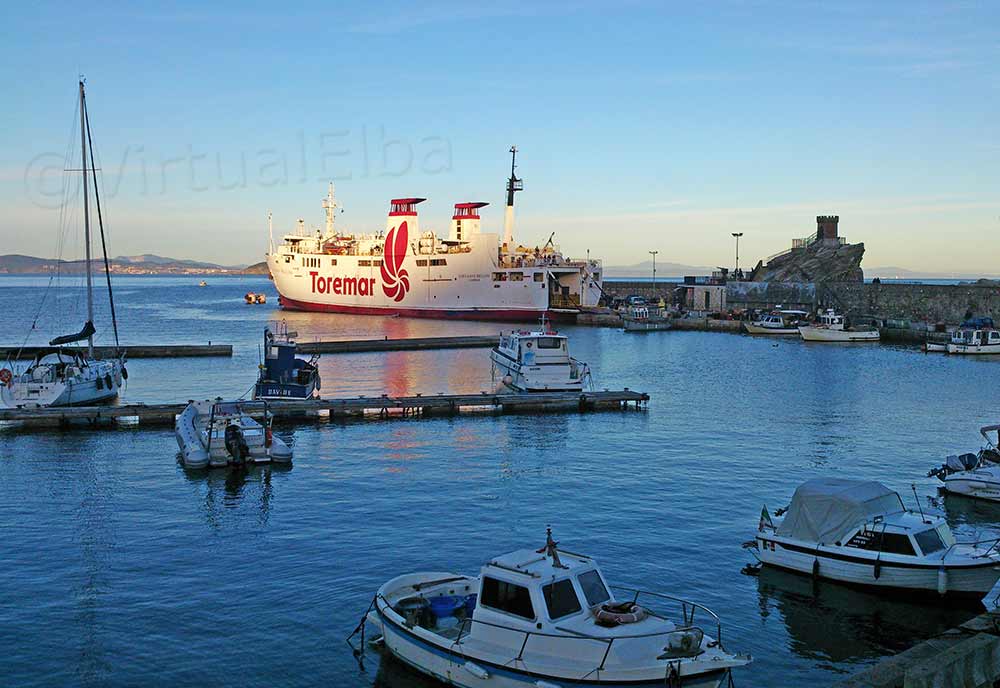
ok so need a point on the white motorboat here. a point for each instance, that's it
(974, 475)
(646, 319)
(538, 361)
(67, 377)
(546, 618)
(831, 327)
(859, 532)
(779, 322)
(224, 433)
(969, 342)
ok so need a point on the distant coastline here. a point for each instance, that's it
(15, 264)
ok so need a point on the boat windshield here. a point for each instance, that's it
(929, 541)
(549, 342)
(560, 599)
(593, 588)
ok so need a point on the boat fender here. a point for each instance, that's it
(268, 437)
(99, 382)
(942, 581)
(6, 376)
(107, 381)
(878, 569)
(124, 373)
(815, 572)
(476, 670)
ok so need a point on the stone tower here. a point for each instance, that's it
(826, 228)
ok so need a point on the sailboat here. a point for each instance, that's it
(60, 376)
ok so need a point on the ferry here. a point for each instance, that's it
(405, 271)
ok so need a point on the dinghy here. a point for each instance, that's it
(974, 475)
(859, 532)
(547, 618)
(220, 433)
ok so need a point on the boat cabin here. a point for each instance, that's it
(535, 348)
(527, 589)
(904, 533)
(977, 337)
(831, 320)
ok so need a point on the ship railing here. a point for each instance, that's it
(994, 548)
(688, 610)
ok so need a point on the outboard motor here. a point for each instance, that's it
(236, 444)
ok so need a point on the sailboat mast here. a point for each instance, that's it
(86, 218)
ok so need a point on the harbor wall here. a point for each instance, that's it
(933, 303)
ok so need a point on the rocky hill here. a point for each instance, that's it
(15, 264)
(817, 262)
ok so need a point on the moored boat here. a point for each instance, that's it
(221, 433)
(538, 361)
(405, 271)
(646, 319)
(859, 533)
(282, 374)
(978, 341)
(831, 327)
(973, 475)
(545, 618)
(776, 323)
(68, 377)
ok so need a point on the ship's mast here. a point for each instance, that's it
(86, 219)
(329, 205)
(513, 184)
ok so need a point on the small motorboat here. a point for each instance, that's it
(538, 361)
(971, 342)
(974, 474)
(646, 319)
(831, 327)
(547, 617)
(859, 532)
(935, 347)
(282, 374)
(250, 298)
(203, 283)
(221, 433)
(776, 323)
(260, 297)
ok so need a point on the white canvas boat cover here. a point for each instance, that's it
(825, 510)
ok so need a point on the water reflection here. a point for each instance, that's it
(233, 487)
(392, 673)
(829, 622)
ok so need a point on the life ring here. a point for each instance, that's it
(619, 613)
(6, 376)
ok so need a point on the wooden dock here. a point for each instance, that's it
(131, 350)
(354, 407)
(408, 344)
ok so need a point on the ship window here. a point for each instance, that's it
(593, 588)
(875, 541)
(438, 261)
(539, 277)
(517, 277)
(597, 276)
(560, 599)
(333, 261)
(549, 343)
(288, 259)
(364, 263)
(929, 541)
(507, 597)
(421, 262)
(376, 263)
(499, 276)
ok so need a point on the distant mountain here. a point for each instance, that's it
(129, 265)
(664, 269)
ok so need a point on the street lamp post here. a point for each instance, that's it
(737, 235)
(653, 253)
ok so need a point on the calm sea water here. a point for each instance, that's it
(118, 567)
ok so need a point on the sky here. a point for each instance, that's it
(641, 125)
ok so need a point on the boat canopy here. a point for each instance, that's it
(87, 331)
(825, 510)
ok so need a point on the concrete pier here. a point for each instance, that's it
(131, 350)
(379, 407)
(409, 344)
(964, 657)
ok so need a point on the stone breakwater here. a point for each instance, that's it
(917, 303)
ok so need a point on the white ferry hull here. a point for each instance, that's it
(822, 334)
(972, 582)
